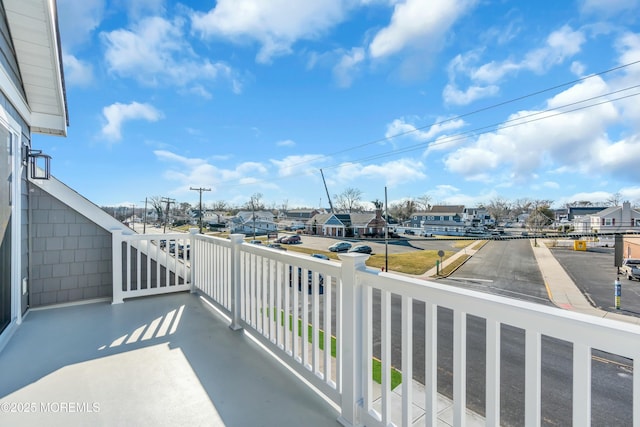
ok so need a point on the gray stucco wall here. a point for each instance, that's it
(70, 257)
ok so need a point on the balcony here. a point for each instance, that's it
(204, 357)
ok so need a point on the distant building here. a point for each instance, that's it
(440, 221)
(615, 219)
(366, 224)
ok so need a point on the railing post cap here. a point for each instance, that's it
(356, 259)
(236, 238)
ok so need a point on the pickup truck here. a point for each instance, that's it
(631, 268)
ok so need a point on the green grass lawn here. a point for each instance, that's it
(396, 376)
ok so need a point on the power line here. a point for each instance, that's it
(477, 131)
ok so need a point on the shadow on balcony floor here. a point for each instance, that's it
(166, 360)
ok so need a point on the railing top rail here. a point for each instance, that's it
(600, 333)
(299, 259)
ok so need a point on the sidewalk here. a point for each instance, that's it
(563, 292)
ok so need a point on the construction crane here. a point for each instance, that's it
(327, 190)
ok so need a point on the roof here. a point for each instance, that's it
(447, 209)
(329, 219)
(34, 32)
(361, 219)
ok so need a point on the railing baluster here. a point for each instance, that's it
(407, 360)
(366, 342)
(532, 391)
(493, 373)
(581, 385)
(459, 368)
(327, 330)
(278, 313)
(300, 287)
(315, 298)
(431, 363)
(385, 352)
(296, 312)
(636, 390)
(288, 345)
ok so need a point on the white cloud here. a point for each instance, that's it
(117, 114)
(184, 172)
(348, 65)
(276, 25)
(77, 72)
(576, 141)
(298, 165)
(155, 52)
(139, 8)
(417, 22)
(286, 143)
(393, 173)
(559, 46)
(401, 127)
(608, 7)
(452, 95)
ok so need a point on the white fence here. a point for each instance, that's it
(329, 320)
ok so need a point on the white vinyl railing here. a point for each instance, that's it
(150, 264)
(328, 321)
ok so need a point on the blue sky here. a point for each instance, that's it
(465, 101)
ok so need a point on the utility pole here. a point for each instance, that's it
(144, 218)
(386, 231)
(168, 201)
(133, 216)
(200, 190)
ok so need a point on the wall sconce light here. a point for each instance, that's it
(40, 164)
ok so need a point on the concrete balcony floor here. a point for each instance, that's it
(159, 361)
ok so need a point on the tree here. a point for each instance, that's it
(220, 205)
(614, 199)
(349, 200)
(184, 208)
(157, 206)
(403, 210)
(255, 203)
(521, 206)
(579, 203)
(423, 203)
(499, 209)
(541, 216)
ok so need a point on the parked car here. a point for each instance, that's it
(340, 247)
(309, 280)
(362, 249)
(276, 246)
(426, 234)
(410, 232)
(256, 242)
(631, 268)
(320, 256)
(292, 240)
